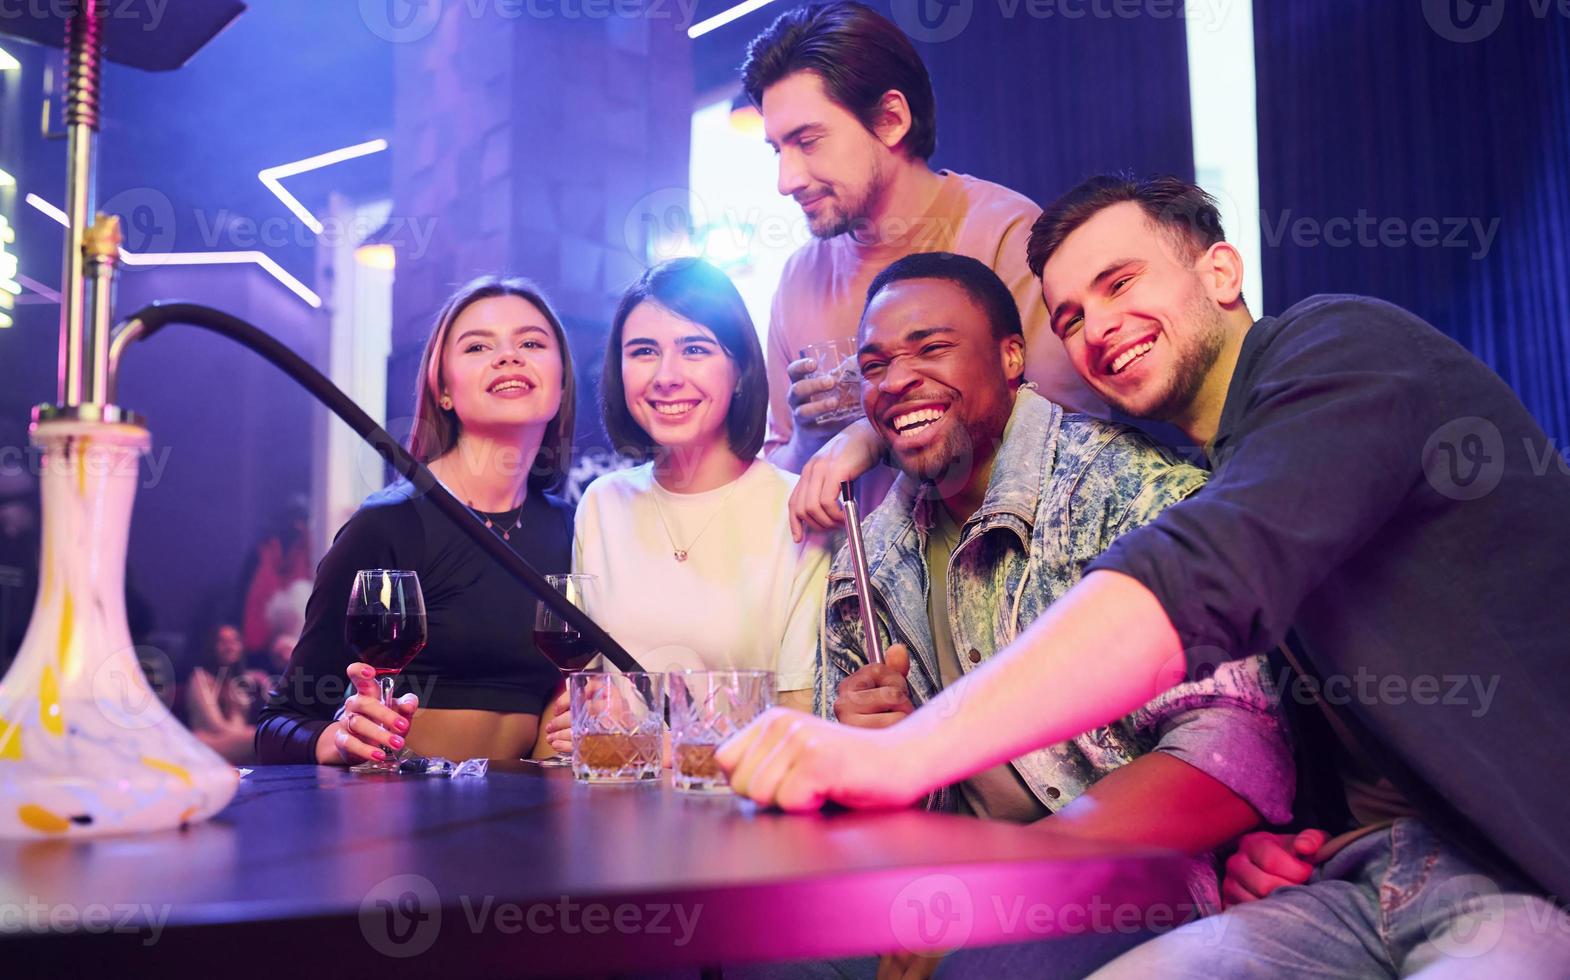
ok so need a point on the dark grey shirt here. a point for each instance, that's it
(1380, 490)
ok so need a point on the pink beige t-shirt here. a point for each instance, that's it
(823, 290)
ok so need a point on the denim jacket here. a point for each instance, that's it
(1062, 488)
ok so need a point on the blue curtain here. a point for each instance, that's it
(1419, 152)
(1034, 96)
(1038, 103)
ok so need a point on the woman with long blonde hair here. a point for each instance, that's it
(493, 421)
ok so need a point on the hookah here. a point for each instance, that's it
(86, 746)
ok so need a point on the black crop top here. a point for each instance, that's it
(480, 620)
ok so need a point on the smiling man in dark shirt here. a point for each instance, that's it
(1376, 490)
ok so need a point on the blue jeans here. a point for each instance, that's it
(1396, 902)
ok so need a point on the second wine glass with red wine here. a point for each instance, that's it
(385, 627)
(559, 640)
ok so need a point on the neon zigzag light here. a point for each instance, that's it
(271, 176)
(261, 259)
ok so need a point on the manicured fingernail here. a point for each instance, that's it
(402, 725)
(397, 741)
(378, 755)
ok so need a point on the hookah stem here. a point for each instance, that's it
(158, 315)
(858, 561)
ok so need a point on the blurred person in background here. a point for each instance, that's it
(280, 559)
(223, 698)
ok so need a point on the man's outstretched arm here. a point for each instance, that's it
(1102, 650)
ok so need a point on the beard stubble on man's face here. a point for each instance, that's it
(1198, 349)
(947, 468)
(850, 209)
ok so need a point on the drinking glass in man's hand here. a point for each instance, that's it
(836, 359)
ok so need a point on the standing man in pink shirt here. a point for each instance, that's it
(848, 107)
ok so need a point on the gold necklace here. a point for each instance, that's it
(485, 518)
(506, 531)
(678, 552)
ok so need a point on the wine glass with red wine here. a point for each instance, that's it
(385, 627)
(561, 643)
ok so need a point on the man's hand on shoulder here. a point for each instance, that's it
(814, 503)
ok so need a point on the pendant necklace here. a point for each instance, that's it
(490, 525)
(506, 531)
(677, 551)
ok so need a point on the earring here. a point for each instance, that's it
(446, 403)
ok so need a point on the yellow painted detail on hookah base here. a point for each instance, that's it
(179, 772)
(49, 714)
(10, 740)
(189, 812)
(67, 629)
(41, 820)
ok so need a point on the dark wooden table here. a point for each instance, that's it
(315, 871)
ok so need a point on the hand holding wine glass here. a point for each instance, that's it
(565, 647)
(385, 625)
(367, 730)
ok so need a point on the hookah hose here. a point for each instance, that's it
(150, 319)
